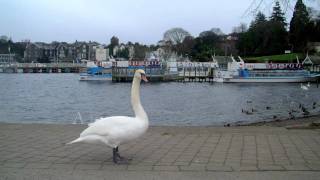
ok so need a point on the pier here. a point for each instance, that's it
(164, 71)
(196, 74)
(124, 74)
(42, 68)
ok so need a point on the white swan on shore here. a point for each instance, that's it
(116, 130)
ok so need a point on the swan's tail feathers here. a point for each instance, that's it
(75, 141)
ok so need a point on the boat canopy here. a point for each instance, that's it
(94, 70)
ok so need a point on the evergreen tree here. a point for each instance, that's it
(259, 20)
(278, 15)
(114, 41)
(298, 26)
(252, 42)
(257, 34)
(276, 33)
(314, 29)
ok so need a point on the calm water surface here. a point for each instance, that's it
(59, 98)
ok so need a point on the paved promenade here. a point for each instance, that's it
(38, 151)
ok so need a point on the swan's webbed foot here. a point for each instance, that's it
(117, 159)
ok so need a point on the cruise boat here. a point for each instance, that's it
(264, 72)
(97, 71)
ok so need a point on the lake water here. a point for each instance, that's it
(60, 98)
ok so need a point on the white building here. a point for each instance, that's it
(131, 52)
(7, 58)
(101, 53)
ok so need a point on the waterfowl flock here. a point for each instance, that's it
(303, 109)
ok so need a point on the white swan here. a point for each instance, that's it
(116, 130)
(308, 84)
(303, 87)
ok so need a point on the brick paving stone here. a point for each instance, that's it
(114, 167)
(181, 163)
(163, 163)
(193, 167)
(314, 167)
(166, 168)
(248, 168)
(218, 167)
(62, 166)
(270, 167)
(139, 168)
(88, 166)
(14, 164)
(296, 167)
(38, 165)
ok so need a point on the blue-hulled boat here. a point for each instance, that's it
(97, 72)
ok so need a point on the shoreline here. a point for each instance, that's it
(309, 122)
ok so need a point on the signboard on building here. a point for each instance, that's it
(251, 66)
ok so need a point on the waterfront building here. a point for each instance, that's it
(131, 52)
(92, 50)
(7, 58)
(65, 52)
(62, 51)
(48, 52)
(82, 50)
(101, 53)
(32, 52)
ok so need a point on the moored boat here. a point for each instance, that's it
(265, 73)
(97, 72)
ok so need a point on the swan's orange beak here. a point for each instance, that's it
(144, 78)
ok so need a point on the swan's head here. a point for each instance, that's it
(140, 74)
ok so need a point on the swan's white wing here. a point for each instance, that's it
(115, 126)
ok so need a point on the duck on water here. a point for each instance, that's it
(116, 130)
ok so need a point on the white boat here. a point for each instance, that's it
(270, 79)
(264, 73)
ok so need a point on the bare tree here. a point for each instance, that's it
(241, 28)
(175, 35)
(266, 5)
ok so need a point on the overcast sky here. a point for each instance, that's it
(142, 21)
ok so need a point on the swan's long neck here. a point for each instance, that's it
(135, 100)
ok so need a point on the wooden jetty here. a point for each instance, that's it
(192, 74)
(196, 74)
(42, 68)
(125, 74)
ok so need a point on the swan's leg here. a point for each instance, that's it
(114, 152)
(119, 159)
(118, 154)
